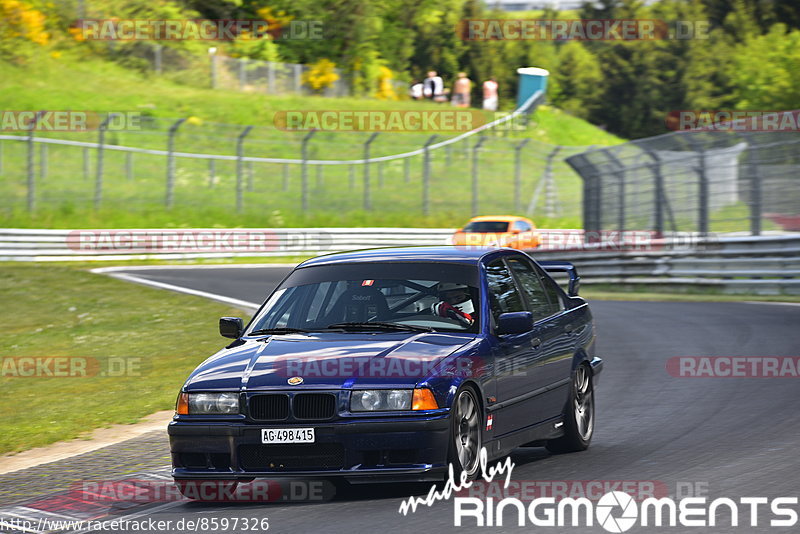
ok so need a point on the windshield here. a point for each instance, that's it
(481, 227)
(373, 296)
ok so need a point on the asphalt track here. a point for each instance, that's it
(721, 437)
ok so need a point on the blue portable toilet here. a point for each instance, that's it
(531, 79)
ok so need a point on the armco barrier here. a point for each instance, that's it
(762, 265)
(765, 264)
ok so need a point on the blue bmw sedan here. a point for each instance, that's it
(392, 364)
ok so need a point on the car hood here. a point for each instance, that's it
(328, 360)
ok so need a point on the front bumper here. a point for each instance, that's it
(359, 450)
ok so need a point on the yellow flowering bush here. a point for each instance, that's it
(385, 88)
(20, 24)
(321, 75)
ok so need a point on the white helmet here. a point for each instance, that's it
(465, 305)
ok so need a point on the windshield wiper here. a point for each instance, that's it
(378, 325)
(279, 330)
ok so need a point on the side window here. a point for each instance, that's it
(538, 302)
(503, 293)
(550, 287)
(522, 226)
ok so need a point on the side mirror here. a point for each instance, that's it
(231, 327)
(514, 323)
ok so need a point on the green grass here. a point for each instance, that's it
(63, 311)
(64, 194)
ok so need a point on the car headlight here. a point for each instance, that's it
(377, 400)
(208, 404)
(382, 400)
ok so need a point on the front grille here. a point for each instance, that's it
(314, 405)
(285, 457)
(269, 407)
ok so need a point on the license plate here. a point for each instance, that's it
(287, 435)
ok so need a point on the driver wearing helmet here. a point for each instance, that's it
(455, 303)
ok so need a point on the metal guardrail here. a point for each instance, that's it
(168, 244)
(763, 265)
(766, 264)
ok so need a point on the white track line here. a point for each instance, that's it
(161, 285)
(116, 268)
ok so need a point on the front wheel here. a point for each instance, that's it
(465, 434)
(578, 415)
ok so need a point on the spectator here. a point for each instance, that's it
(416, 91)
(490, 94)
(433, 86)
(461, 91)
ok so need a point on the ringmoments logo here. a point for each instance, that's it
(617, 511)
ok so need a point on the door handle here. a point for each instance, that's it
(536, 342)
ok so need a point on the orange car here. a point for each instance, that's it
(500, 230)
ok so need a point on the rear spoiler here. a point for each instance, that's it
(564, 267)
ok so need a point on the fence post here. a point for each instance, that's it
(661, 200)
(32, 164)
(213, 55)
(129, 165)
(157, 58)
(171, 161)
(475, 192)
(549, 185)
(620, 172)
(271, 77)
(285, 176)
(98, 180)
(702, 188)
(426, 174)
(518, 174)
(304, 180)
(755, 188)
(297, 71)
(212, 172)
(86, 169)
(43, 163)
(239, 165)
(250, 176)
(367, 199)
(242, 73)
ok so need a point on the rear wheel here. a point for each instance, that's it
(465, 434)
(578, 415)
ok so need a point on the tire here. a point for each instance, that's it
(466, 437)
(578, 415)
(199, 490)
